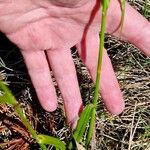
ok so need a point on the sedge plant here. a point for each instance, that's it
(92, 109)
(89, 113)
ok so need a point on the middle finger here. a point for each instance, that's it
(64, 71)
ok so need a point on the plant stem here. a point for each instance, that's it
(24, 120)
(123, 3)
(27, 125)
(100, 56)
(98, 73)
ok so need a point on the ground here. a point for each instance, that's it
(130, 130)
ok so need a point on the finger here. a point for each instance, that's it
(136, 29)
(109, 87)
(64, 71)
(40, 75)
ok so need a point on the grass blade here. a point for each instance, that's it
(44, 139)
(123, 2)
(91, 128)
(82, 123)
(105, 5)
(7, 97)
(10, 100)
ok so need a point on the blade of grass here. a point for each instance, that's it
(105, 4)
(3, 99)
(7, 97)
(82, 123)
(44, 139)
(123, 2)
(120, 27)
(10, 100)
(91, 127)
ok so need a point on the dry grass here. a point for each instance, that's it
(128, 131)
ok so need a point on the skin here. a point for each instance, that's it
(45, 30)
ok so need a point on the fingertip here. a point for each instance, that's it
(73, 122)
(114, 102)
(47, 99)
(68, 83)
(118, 109)
(49, 106)
(75, 117)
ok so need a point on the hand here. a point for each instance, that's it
(45, 30)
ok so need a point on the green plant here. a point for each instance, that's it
(8, 98)
(92, 112)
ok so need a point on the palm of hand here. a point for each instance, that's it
(55, 27)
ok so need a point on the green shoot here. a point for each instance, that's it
(91, 127)
(8, 98)
(122, 14)
(44, 139)
(105, 4)
(82, 123)
(120, 27)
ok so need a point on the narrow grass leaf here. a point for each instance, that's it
(7, 97)
(82, 123)
(104, 5)
(91, 128)
(72, 144)
(3, 99)
(122, 14)
(45, 139)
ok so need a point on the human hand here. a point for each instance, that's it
(45, 31)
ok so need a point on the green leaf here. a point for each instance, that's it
(45, 139)
(82, 122)
(123, 2)
(3, 99)
(105, 4)
(7, 97)
(91, 128)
